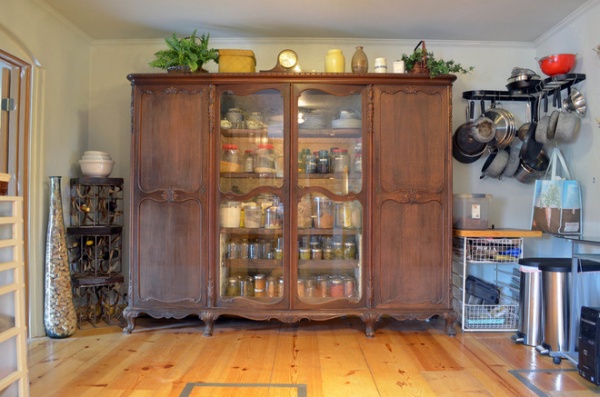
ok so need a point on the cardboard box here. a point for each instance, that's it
(236, 61)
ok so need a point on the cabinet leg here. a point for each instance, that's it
(129, 316)
(370, 319)
(450, 320)
(209, 320)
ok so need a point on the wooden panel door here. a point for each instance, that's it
(411, 197)
(169, 199)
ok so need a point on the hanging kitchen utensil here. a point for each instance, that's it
(522, 131)
(465, 148)
(575, 102)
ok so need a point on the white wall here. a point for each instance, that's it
(59, 132)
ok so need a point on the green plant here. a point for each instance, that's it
(190, 51)
(435, 66)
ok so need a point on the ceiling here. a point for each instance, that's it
(481, 20)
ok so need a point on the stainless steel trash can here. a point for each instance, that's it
(530, 303)
(556, 282)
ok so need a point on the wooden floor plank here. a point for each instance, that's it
(330, 358)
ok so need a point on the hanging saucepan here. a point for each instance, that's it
(504, 122)
(513, 161)
(483, 129)
(465, 148)
(534, 161)
(495, 163)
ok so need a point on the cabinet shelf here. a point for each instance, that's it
(89, 281)
(253, 263)
(324, 264)
(272, 175)
(304, 133)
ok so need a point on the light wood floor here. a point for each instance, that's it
(333, 358)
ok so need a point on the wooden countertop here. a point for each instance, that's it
(496, 233)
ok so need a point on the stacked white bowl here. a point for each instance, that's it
(96, 164)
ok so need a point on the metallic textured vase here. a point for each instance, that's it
(60, 319)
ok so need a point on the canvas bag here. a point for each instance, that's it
(557, 200)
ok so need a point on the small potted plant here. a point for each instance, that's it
(187, 54)
(422, 61)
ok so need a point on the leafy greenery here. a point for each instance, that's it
(435, 66)
(190, 51)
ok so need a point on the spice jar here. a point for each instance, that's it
(348, 286)
(349, 250)
(233, 287)
(260, 282)
(338, 250)
(328, 254)
(336, 288)
(252, 216)
(337, 161)
(304, 254)
(323, 162)
(271, 287)
(230, 153)
(301, 287)
(316, 253)
(244, 249)
(248, 161)
(322, 212)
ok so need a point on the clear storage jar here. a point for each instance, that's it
(230, 153)
(231, 212)
(265, 158)
(322, 212)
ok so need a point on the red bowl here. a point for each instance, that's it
(555, 64)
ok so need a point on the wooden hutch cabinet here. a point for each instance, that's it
(290, 196)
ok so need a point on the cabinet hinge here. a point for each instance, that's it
(8, 104)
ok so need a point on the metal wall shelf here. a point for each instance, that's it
(546, 86)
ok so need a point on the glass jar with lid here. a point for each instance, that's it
(337, 161)
(230, 153)
(265, 158)
(231, 212)
(349, 250)
(323, 162)
(343, 215)
(252, 217)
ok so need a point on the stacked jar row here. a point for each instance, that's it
(320, 212)
(258, 286)
(327, 248)
(244, 248)
(314, 211)
(326, 286)
(263, 159)
(334, 160)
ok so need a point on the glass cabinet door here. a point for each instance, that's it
(329, 210)
(252, 203)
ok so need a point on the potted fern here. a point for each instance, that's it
(186, 54)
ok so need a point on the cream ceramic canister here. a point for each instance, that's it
(335, 61)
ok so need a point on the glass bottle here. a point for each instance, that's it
(248, 161)
(335, 61)
(360, 63)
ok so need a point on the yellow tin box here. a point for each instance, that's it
(236, 61)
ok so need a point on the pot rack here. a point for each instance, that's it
(547, 86)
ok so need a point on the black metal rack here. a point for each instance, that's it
(547, 86)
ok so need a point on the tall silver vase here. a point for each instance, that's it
(60, 319)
